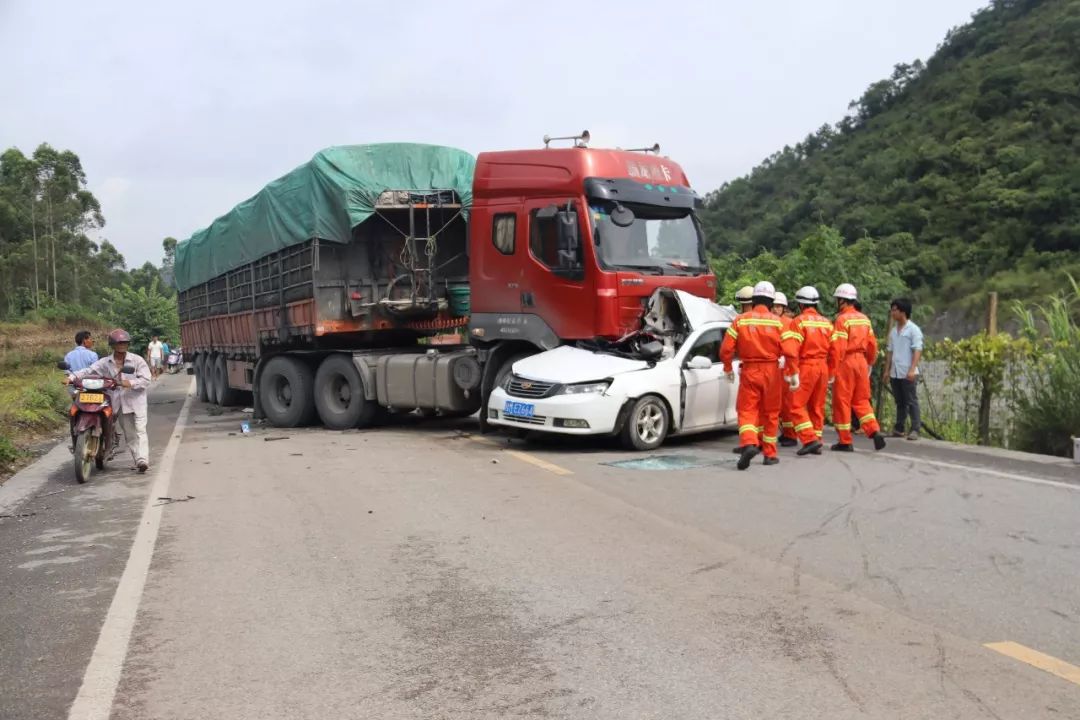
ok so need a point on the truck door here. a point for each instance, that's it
(557, 284)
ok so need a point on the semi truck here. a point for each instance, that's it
(329, 294)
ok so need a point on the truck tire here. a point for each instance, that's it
(339, 395)
(201, 389)
(210, 377)
(648, 424)
(226, 396)
(287, 393)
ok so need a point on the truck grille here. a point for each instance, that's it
(520, 387)
(534, 420)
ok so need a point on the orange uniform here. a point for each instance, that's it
(808, 405)
(787, 396)
(852, 354)
(756, 337)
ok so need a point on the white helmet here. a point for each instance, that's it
(765, 289)
(845, 291)
(745, 294)
(807, 295)
(780, 299)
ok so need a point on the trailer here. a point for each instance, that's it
(329, 295)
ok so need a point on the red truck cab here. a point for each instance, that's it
(568, 243)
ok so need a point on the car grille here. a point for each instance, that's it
(520, 387)
(534, 420)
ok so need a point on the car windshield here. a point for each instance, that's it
(661, 240)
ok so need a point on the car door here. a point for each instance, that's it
(705, 403)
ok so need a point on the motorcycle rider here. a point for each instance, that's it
(129, 398)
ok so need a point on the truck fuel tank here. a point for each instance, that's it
(426, 381)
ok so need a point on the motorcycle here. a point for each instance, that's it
(93, 435)
(175, 360)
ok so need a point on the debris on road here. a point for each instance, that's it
(249, 411)
(276, 437)
(214, 411)
(296, 454)
(668, 462)
(244, 428)
(54, 492)
(171, 500)
(18, 515)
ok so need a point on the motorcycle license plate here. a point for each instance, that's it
(92, 398)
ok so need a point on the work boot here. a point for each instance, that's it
(749, 452)
(814, 448)
(843, 447)
(879, 441)
(770, 461)
(817, 450)
(738, 449)
(788, 442)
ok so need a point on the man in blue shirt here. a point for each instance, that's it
(83, 356)
(902, 362)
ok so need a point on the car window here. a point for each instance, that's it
(708, 345)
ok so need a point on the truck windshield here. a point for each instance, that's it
(660, 240)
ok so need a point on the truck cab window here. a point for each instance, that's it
(548, 245)
(502, 233)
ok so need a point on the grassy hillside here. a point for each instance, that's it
(965, 169)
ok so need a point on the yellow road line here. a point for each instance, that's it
(1045, 662)
(525, 457)
(533, 460)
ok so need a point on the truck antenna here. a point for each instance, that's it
(581, 140)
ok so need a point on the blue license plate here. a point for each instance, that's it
(519, 409)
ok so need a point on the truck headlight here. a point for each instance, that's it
(582, 388)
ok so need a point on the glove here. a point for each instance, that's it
(730, 377)
(793, 382)
(832, 380)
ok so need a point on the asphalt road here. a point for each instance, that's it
(420, 571)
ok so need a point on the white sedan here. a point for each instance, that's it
(665, 380)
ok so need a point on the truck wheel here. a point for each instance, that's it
(648, 424)
(210, 377)
(339, 395)
(226, 396)
(286, 390)
(200, 379)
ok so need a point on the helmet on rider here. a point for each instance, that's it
(807, 295)
(119, 337)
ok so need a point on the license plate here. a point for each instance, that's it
(92, 398)
(519, 409)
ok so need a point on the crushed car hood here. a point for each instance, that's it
(660, 316)
(567, 365)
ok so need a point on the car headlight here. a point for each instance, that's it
(582, 388)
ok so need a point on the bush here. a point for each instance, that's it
(9, 453)
(1048, 415)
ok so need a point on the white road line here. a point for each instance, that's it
(95, 698)
(984, 471)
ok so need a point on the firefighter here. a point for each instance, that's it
(808, 404)
(757, 338)
(744, 297)
(788, 438)
(851, 357)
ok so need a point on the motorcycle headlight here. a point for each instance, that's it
(93, 384)
(583, 388)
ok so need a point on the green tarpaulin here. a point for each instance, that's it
(324, 198)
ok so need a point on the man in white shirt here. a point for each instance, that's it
(155, 354)
(902, 363)
(129, 399)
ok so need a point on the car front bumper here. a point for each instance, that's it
(559, 414)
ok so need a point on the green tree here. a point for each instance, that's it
(143, 312)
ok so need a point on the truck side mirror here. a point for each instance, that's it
(569, 240)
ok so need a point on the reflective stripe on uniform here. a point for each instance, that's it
(767, 439)
(819, 433)
(803, 426)
(760, 428)
(748, 428)
(843, 426)
(790, 335)
(760, 321)
(787, 424)
(815, 323)
(839, 334)
(732, 331)
(867, 417)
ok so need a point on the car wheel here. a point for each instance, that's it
(286, 391)
(647, 426)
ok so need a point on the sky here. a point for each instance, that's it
(181, 110)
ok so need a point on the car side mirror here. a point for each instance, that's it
(63, 365)
(699, 362)
(128, 370)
